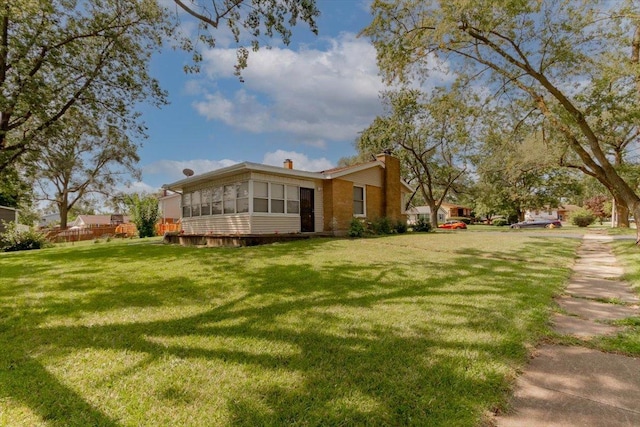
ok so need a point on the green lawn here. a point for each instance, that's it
(423, 329)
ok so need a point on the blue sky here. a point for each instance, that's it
(306, 101)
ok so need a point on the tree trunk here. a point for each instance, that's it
(622, 214)
(433, 215)
(64, 215)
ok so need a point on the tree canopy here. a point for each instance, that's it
(550, 55)
(55, 55)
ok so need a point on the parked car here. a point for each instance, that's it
(540, 223)
(453, 225)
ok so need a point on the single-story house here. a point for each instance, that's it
(456, 211)
(252, 198)
(561, 213)
(93, 221)
(7, 215)
(415, 213)
(49, 220)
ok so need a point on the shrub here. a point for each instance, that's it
(356, 228)
(500, 222)
(401, 227)
(144, 213)
(582, 217)
(16, 239)
(422, 225)
(382, 225)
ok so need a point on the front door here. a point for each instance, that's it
(307, 218)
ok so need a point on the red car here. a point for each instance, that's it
(453, 225)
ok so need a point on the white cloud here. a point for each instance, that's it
(312, 95)
(300, 161)
(138, 187)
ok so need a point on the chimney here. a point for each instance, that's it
(288, 164)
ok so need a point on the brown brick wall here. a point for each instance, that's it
(338, 203)
(375, 202)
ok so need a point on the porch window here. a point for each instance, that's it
(260, 197)
(216, 201)
(242, 197)
(229, 199)
(293, 199)
(195, 203)
(205, 205)
(277, 198)
(358, 201)
(186, 205)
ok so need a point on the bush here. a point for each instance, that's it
(356, 228)
(582, 218)
(500, 222)
(422, 225)
(401, 227)
(15, 239)
(382, 225)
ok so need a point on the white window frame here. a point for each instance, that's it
(364, 201)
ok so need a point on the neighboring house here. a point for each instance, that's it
(49, 220)
(561, 213)
(251, 198)
(170, 207)
(423, 212)
(94, 221)
(7, 215)
(456, 211)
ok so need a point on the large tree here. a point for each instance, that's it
(430, 134)
(83, 158)
(517, 171)
(55, 55)
(546, 53)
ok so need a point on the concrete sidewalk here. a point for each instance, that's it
(575, 386)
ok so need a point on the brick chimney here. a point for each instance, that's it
(288, 164)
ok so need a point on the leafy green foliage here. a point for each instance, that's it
(85, 157)
(15, 238)
(250, 20)
(62, 54)
(144, 211)
(430, 134)
(382, 225)
(582, 217)
(401, 227)
(500, 222)
(530, 54)
(356, 228)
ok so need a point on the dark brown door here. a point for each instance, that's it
(307, 218)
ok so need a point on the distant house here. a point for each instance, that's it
(561, 213)
(454, 210)
(7, 215)
(170, 207)
(424, 212)
(94, 221)
(49, 220)
(250, 198)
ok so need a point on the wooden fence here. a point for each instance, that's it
(122, 230)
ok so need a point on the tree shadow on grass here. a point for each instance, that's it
(370, 343)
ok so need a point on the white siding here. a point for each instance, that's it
(217, 224)
(258, 223)
(371, 176)
(270, 224)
